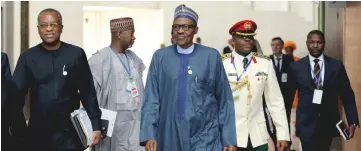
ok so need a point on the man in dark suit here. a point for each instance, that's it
(321, 80)
(281, 64)
(12, 128)
(5, 102)
(5, 67)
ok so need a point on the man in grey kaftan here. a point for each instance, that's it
(114, 68)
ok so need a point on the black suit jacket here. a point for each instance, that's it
(13, 127)
(287, 94)
(5, 93)
(322, 117)
(227, 50)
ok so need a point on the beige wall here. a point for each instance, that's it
(343, 36)
(214, 20)
(11, 41)
(334, 21)
(217, 17)
(352, 55)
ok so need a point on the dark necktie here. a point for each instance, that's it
(317, 71)
(278, 65)
(245, 62)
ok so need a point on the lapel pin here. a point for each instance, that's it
(190, 72)
(64, 72)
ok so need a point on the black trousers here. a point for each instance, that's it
(320, 144)
(7, 142)
(273, 132)
(11, 143)
(62, 140)
(321, 141)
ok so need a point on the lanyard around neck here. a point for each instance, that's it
(244, 70)
(127, 68)
(314, 75)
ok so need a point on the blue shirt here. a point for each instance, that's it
(185, 51)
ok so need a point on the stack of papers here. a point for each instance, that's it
(83, 126)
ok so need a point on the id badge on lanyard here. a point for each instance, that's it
(317, 94)
(132, 88)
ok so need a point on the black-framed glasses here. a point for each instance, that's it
(52, 25)
(185, 27)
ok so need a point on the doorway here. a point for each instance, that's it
(148, 30)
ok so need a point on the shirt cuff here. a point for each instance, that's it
(95, 124)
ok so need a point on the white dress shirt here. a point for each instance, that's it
(240, 58)
(276, 61)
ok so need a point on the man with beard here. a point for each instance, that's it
(320, 81)
(59, 77)
(188, 103)
(117, 73)
(251, 75)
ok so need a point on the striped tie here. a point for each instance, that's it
(317, 71)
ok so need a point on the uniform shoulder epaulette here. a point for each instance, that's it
(226, 56)
(260, 55)
(95, 53)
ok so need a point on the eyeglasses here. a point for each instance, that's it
(52, 25)
(185, 27)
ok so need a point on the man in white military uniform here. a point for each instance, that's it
(251, 76)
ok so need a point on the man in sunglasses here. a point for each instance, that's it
(188, 104)
(251, 75)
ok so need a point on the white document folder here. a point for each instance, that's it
(110, 116)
